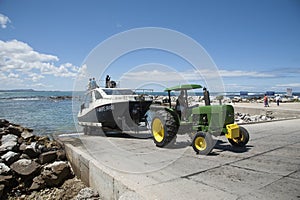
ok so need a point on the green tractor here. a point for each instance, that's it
(200, 121)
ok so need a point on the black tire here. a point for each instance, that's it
(203, 143)
(242, 140)
(163, 128)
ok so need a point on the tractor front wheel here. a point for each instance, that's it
(202, 143)
(164, 128)
(242, 140)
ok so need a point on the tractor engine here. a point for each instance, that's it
(212, 118)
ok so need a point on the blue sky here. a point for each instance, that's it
(254, 44)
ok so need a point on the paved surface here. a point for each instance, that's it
(282, 106)
(268, 168)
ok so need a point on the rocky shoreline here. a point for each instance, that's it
(30, 164)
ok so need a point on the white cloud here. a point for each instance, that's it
(191, 75)
(4, 20)
(289, 85)
(20, 61)
(35, 77)
(240, 73)
(12, 75)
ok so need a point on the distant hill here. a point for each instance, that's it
(18, 90)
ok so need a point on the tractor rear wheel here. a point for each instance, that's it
(202, 143)
(164, 128)
(242, 140)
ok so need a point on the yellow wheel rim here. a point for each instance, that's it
(200, 143)
(158, 130)
(240, 138)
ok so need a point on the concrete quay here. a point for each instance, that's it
(132, 167)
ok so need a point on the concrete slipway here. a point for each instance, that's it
(133, 168)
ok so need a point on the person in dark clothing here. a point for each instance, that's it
(206, 97)
(107, 81)
(181, 105)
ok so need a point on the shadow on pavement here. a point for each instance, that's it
(224, 146)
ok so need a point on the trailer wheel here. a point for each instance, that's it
(164, 128)
(242, 140)
(202, 143)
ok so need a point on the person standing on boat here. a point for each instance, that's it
(90, 84)
(94, 84)
(107, 81)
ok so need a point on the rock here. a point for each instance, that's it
(38, 183)
(24, 156)
(61, 154)
(9, 142)
(25, 167)
(6, 180)
(22, 147)
(1, 190)
(20, 140)
(87, 193)
(264, 117)
(4, 123)
(4, 169)
(26, 134)
(53, 145)
(3, 131)
(15, 130)
(42, 140)
(56, 173)
(10, 157)
(31, 150)
(47, 157)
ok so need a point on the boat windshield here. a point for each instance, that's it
(118, 92)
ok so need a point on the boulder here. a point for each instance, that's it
(56, 173)
(1, 190)
(47, 157)
(10, 157)
(22, 147)
(31, 150)
(87, 193)
(54, 145)
(24, 156)
(15, 130)
(6, 180)
(61, 154)
(26, 134)
(4, 123)
(8, 142)
(4, 169)
(25, 167)
(37, 183)
(3, 131)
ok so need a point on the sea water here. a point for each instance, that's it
(47, 112)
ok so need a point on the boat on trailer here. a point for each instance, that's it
(113, 108)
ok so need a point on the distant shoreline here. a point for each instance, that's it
(18, 90)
